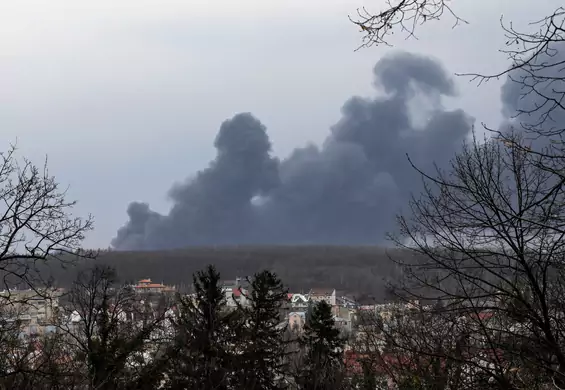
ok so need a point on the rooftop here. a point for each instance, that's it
(147, 284)
(322, 291)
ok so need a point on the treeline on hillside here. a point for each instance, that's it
(359, 271)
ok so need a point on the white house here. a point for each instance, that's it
(299, 301)
(235, 292)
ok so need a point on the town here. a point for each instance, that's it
(366, 329)
(37, 311)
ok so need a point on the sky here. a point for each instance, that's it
(126, 97)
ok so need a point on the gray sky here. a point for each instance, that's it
(125, 97)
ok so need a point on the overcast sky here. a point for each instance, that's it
(125, 97)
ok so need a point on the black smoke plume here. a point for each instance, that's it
(345, 191)
(533, 99)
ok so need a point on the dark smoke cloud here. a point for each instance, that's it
(532, 99)
(345, 191)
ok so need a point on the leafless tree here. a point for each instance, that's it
(116, 335)
(534, 53)
(37, 227)
(487, 238)
(36, 222)
(31, 360)
(432, 347)
(403, 15)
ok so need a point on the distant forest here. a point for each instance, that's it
(357, 271)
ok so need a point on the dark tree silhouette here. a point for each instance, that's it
(111, 332)
(262, 361)
(323, 365)
(37, 230)
(205, 341)
(36, 221)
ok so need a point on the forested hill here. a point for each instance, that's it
(356, 270)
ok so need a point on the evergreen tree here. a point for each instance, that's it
(323, 367)
(369, 380)
(204, 339)
(262, 360)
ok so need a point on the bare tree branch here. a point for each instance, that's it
(36, 223)
(488, 243)
(403, 15)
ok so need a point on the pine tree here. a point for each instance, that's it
(323, 367)
(262, 360)
(203, 354)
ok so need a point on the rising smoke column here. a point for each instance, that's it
(345, 191)
(215, 205)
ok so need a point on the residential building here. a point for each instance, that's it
(236, 292)
(296, 320)
(343, 324)
(147, 286)
(35, 310)
(344, 317)
(346, 301)
(298, 301)
(323, 294)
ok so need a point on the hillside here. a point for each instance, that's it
(356, 270)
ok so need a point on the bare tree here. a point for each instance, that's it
(116, 335)
(404, 15)
(487, 238)
(535, 62)
(37, 227)
(416, 346)
(36, 223)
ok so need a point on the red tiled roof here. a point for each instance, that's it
(145, 281)
(238, 291)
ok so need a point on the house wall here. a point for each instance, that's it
(230, 301)
(330, 299)
(296, 321)
(34, 312)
